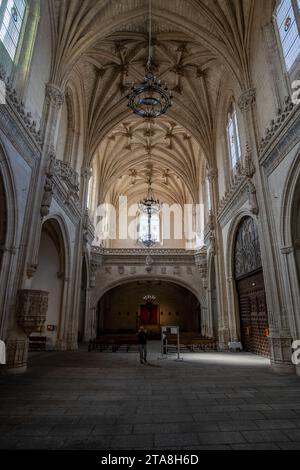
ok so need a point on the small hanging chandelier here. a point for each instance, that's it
(150, 98)
(149, 205)
(149, 298)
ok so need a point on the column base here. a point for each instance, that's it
(223, 338)
(281, 355)
(60, 345)
(72, 342)
(16, 354)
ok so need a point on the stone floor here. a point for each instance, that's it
(81, 400)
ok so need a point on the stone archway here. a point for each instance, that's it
(296, 229)
(249, 279)
(121, 309)
(3, 219)
(50, 277)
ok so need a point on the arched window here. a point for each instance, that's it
(143, 228)
(288, 23)
(233, 137)
(12, 13)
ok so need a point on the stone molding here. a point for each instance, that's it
(281, 138)
(142, 251)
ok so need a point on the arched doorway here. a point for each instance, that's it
(296, 229)
(3, 219)
(123, 308)
(250, 286)
(50, 277)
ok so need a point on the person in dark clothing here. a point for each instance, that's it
(142, 340)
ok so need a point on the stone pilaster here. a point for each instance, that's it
(280, 338)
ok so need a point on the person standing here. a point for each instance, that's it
(142, 340)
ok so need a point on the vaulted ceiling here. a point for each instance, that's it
(101, 46)
(160, 149)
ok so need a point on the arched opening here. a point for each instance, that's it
(296, 229)
(150, 303)
(3, 219)
(50, 276)
(254, 327)
(82, 305)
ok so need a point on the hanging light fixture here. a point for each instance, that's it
(149, 298)
(150, 98)
(149, 205)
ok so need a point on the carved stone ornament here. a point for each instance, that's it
(32, 308)
(277, 123)
(248, 168)
(247, 99)
(252, 197)
(13, 99)
(31, 270)
(48, 187)
(201, 263)
(286, 250)
(54, 95)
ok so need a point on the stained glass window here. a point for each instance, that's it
(12, 14)
(288, 30)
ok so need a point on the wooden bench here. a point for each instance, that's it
(37, 343)
(114, 343)
(191, 342)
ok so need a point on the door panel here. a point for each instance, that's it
(253, 314)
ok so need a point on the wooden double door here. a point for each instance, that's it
(253, 313)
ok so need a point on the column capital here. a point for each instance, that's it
(247, 99)
(54, 95)
(286, 250)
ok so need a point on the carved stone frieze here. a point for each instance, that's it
(70, 177)
(13, 100)
(277, 123)
(201, 262)
(48, 187)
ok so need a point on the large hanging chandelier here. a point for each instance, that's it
(149, 205)
(150, 98)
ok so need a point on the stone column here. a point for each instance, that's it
(218, 252)
(280, 337)
(82, 241)
(231, 310)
